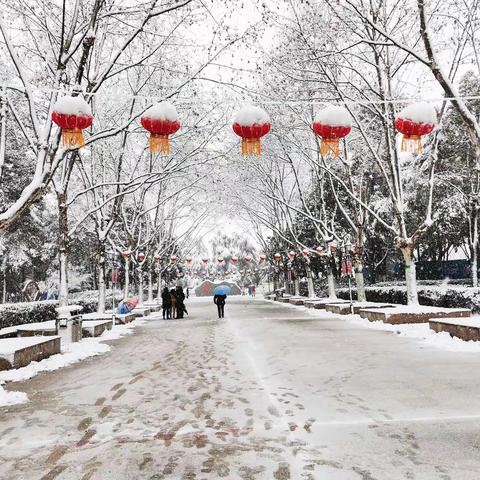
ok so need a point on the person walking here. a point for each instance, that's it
(219, 301)
(166, 304)
(173, 297)
(180, 296)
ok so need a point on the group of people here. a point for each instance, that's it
(173, 303)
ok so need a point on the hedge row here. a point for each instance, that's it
(437, 296)
(12, 314)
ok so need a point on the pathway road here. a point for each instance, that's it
(270, 392)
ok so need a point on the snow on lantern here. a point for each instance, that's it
(126, 254)
(161, 120)
(262, 258)
(305, 252)
(319, 251)
(277, 257)
(156, 257)
(220, 260)
(291, 255)
(173, 259)
(72, 115)
(331, 124)
(189, 260)
(234, 259)
(333, 247)
(414, 121)
(141, 257)
(251, 123)
(204, 261)
(248, 259)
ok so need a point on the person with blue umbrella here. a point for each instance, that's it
(219, 296)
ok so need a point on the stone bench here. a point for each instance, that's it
(19, 352)
(284, 299)
(465, 328)
(48, 328)
(95, 328)
(411, 314)
(141, 311)
(297, 301)
(321, 303)
(154, 307)
(345, 308)
(123, 318)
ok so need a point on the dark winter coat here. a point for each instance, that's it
(166, 299)
(219, 299)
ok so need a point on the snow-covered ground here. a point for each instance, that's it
(71, 353)
(270, 392)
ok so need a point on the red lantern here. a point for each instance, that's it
(332, 124)
(204, 261)
(248, 259)
(291, 255)
(414, 121)
(333, 247)
(251, 123)
(72, 115)
(188, 260)
(141, 257)
(234, 259)
(277, 257)
(173, 259)
(319, 250)
(220, 260)
(305, 252)
(126, 254)
(262, 258)
(156, 257)
(161, 120)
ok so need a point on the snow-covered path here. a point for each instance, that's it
(270, 392)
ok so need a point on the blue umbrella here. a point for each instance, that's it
(222, 290)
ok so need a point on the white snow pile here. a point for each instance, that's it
(162, 111)
(69, 105)
(251, 115)
(421, 112)
(71, 353)
(334, 116)
(420, 331)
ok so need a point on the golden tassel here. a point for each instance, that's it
(411, 144)
(329, 146)
(251, 147)
(73, 138)
(159, 143)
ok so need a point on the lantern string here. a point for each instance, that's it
(223, 101)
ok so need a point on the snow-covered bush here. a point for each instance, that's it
(450, 296)
(12, 314)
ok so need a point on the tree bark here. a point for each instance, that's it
(410, 275)
(101, 277)
(150, 286)
(127, 278)
(331, 284)
(140, 285)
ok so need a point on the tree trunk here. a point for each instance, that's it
(410, 276)
(63, 249)
(311, 286)
(159, 284)
(127, 278)
(475, 247)
(331, 284)
(101, 277)
(140, 285)
(150, 286)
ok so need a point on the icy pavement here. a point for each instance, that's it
(270, 392)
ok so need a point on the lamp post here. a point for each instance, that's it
(141, 260)
(156, 258)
